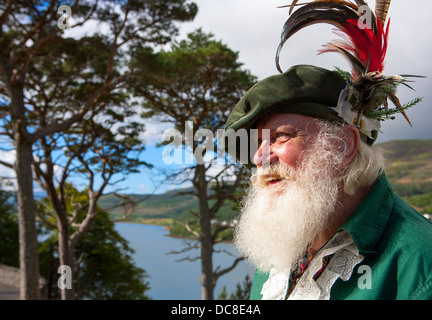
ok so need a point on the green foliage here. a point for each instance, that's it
(242, 291)
(199, 79)
(384, 114)
(179, 230)
(422, 202)
(68, 96)
(104, 265)
(344, 74)
(410, 190)
(9, 244)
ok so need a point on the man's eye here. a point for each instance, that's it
(281, 136)
(278, 137)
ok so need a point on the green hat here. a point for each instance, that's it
(302, 89)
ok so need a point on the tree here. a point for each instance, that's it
(194, 86)
(98, 155)
(242, 291)
(26, 27)
(31, 45)
(104, 268)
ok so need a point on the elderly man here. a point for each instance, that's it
(320, 220)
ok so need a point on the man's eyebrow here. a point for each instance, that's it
(285, 128)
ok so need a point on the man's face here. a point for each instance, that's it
(290, 135)
(291, 201)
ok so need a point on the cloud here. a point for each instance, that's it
(8, 157)
(154, 131)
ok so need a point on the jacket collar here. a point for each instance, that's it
(367, 223)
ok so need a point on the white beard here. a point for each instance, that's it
(277, 225)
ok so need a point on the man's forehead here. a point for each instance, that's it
(284, 121)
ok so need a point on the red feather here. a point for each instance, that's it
(369, 46)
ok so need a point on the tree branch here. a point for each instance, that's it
(189, 229)
(6, 12)
(187, 249)
(217, 274)
(91, 102)
(6, 164)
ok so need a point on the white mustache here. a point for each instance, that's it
(274, 172)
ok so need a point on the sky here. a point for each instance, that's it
(253, 27)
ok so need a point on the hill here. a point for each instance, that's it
(169, 205)
(159, 208)
(408, 168)
(408, 161)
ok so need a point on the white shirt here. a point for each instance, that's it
(341, 265)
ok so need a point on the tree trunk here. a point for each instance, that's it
(29, 259)
(65, 252)
(207, 286)
(207, 283)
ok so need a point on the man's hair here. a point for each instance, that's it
(368, 164)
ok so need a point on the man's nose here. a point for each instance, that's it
(264, 156)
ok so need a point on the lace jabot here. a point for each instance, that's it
(345, 256)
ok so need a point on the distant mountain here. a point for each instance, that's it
(408, 168)
(408, 161)
(173, 204)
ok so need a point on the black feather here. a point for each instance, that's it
(317, 12)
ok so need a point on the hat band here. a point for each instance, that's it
(346, 111)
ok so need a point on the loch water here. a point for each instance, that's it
(171, 280)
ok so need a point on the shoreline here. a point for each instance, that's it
(166, 226)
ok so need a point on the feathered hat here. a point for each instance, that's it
(359, 97)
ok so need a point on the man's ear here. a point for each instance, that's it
(352, 142)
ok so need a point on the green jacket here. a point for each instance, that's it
(396, 242)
